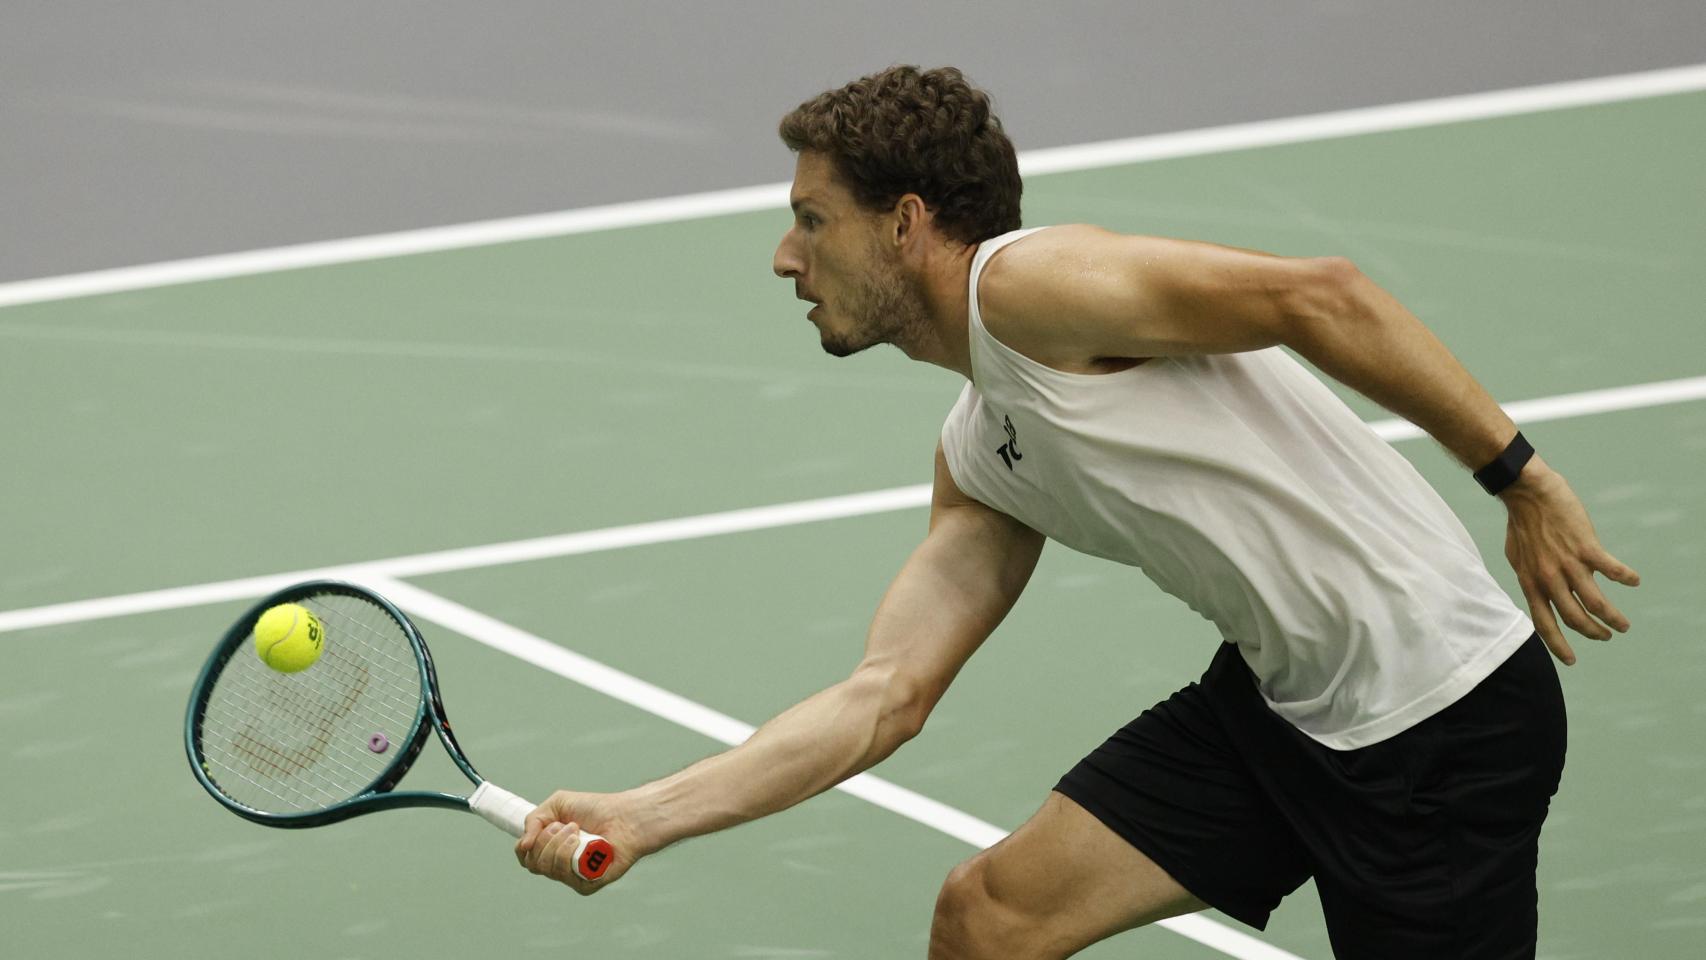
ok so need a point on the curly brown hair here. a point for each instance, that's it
(929, 132)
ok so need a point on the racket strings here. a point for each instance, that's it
(293, 743)
(309, 716)
(275, 744)
(270, 758)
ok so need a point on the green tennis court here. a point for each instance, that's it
(293, 421)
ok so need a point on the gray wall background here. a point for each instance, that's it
(140, 132)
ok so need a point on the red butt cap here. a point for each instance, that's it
(595, 859)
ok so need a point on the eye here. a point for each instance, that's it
(808, 221)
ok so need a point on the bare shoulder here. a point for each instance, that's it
(1039, 294)
(1024, 270)
(1087, 300)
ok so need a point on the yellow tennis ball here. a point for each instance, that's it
(288, 638)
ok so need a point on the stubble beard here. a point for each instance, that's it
(886, 309)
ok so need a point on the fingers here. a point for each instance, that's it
(1558, 589)
(1613, 568)
(537, 821)
(530, 856)
(553, 855)
(526, 845)
(1540, 611)
(556, 808)
(543, 856)
(1578, 600)
(559, 843)
(1552, 546)
(1594, 602)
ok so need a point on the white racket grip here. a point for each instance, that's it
(502, 809)
(508, 812)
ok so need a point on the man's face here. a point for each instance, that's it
(835, 254)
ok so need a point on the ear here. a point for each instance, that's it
(911, 219)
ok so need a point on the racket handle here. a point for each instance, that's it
(508, 812)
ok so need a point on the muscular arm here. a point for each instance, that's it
(946, 600)
(1073, 296)
(1115, 296)
(951, 593)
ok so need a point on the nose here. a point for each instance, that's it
(787, 261)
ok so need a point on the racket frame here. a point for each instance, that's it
(377, 795)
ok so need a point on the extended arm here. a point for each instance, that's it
(1077, 294)
(946, 600)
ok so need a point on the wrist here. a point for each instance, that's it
(649, 819)
(1536, 478)
(1504, 469)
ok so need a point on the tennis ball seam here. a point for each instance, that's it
(266, 655)
(301, 637)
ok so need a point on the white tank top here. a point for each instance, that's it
(1241, 485)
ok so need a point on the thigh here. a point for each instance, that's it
(1068, 881)
(1174, 786)
(1493, 762)
(1425, 845)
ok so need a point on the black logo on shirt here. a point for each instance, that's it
(1010, 450)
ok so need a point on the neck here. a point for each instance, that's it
(944, 338)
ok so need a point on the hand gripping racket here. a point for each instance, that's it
(331, 742)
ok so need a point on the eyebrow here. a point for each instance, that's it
(797, 204)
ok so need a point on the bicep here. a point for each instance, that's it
(953, 590)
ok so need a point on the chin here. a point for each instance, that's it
(840, 348)
(839, 344)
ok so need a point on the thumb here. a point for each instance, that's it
(537, 821)
(526, 842)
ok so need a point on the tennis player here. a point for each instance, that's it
(1381, 717)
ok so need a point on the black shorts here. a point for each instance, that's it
(1422, 845)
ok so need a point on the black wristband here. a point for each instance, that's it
(1503, 471)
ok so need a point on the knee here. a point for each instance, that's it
(962, 897)
(972, 923)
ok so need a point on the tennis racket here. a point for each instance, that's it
(331, 742)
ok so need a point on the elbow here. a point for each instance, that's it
(1326, 294)
(1336, 273)
(907, 703)
(899, 702)
(909, 708)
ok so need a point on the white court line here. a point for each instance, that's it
(714, 524)
(725, 729)
(1565, 406)
(1239, 136)
(469, 558)
(1365, 120)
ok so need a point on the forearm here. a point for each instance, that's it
(948, 597)
(952, 591)
(1363, 337)
(800, 753)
